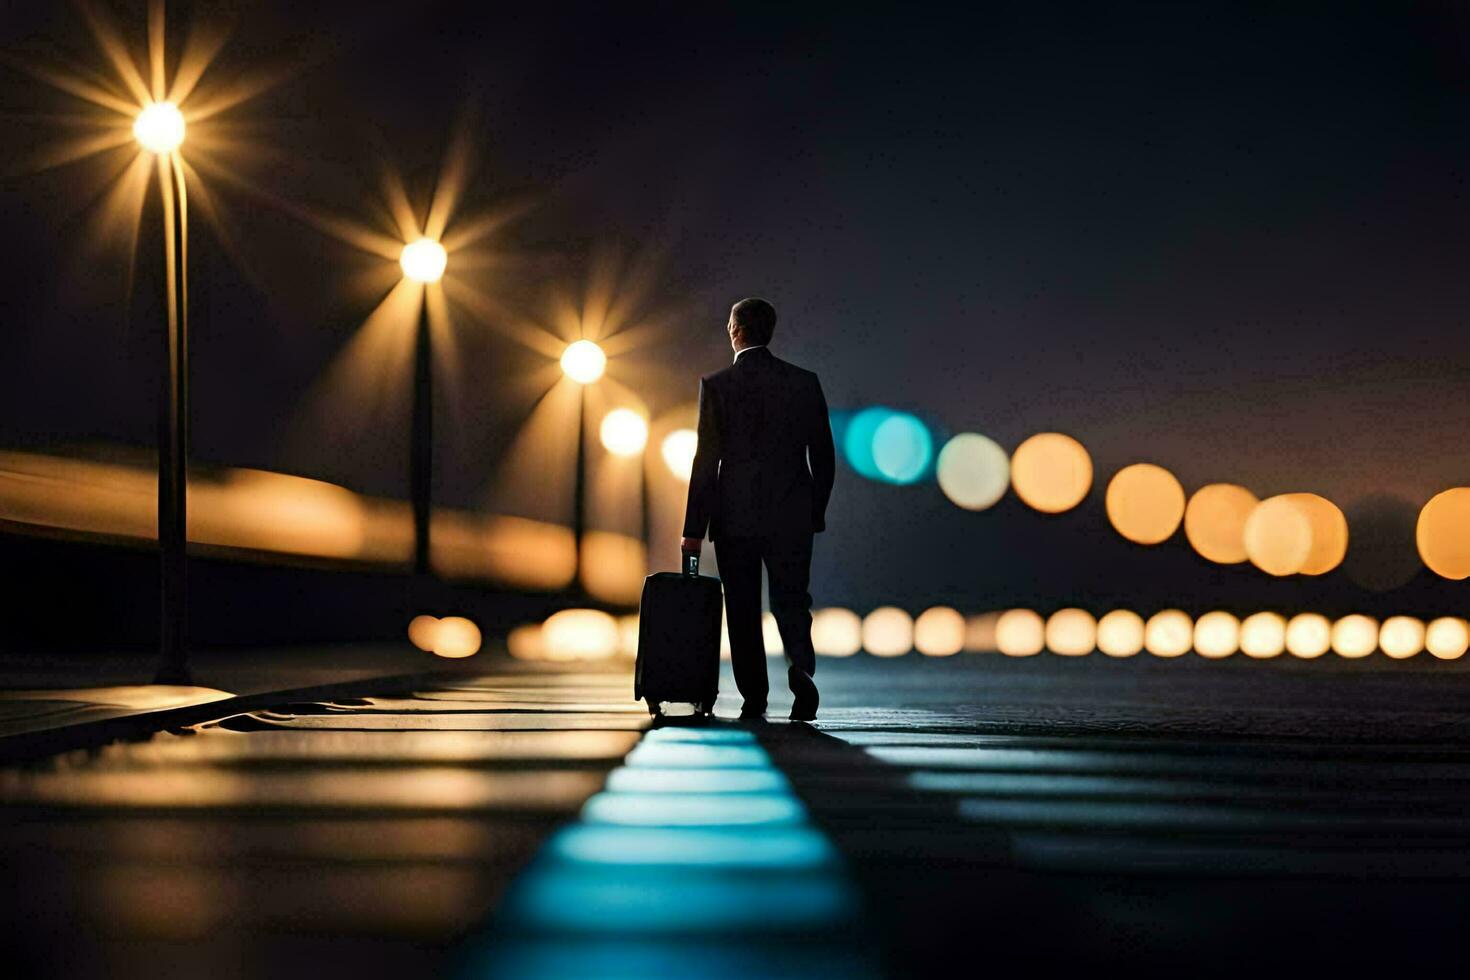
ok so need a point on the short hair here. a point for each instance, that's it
(756, 318)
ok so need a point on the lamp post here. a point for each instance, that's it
(423, 261)
(583, 362)
(159, 129)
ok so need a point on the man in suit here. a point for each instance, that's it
(762, 477)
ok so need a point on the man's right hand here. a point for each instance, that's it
(691, 546)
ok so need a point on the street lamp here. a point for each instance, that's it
(423, 261)
(159, 129)
(584, 362)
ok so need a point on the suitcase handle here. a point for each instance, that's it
(691, 565)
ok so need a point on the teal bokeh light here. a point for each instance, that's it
(902, 448)
(857, 441)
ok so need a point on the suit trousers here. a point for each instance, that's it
(788, 562)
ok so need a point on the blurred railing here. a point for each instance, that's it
(264, 515)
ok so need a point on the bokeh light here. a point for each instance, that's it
(939, 632)
(1214, 522)
(423, 260)
(1169, 633)
(1329, 532)
(1447, 638)
(1051, 472)
(1355, 636)
(421, 631)
(1216, 635)
(902, 448)
(1443, 533)
(1020, 633)
(1145, 503)
(973, 471)
(771, 635)
(1278, 536)
(888, 632)
(456, 638)
(1120, 633)
(628, 635)
(583, 362)
(624, 432)
(159, 127)
(1401, 637)
(1263, 635)
(837, 632)
(525, 642)
(1308, 635)
(857, 440)
(579, 634)
(980, 633)
(678, 451)
(1071, 632)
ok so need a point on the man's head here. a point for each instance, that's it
(752, 322)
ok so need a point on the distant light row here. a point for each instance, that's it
(1288, 534)
(589, 634)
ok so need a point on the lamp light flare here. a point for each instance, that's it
(456, 638)
(624, 432)
(424, 260)
(1169, 633)
(1071, 633)
(1263, 635)
(1145, 503)
(159, 127)
(939, 632)
(1278, 536)
(1020, 633)
(1214, 522)
(1355, 636)
(678, 451)
(1447, 638)
(1120, 633)
(1401, 637)
(583, 362)
(837, 632)
(1216, 635)
(888, 632)
(1308, 635)
(973, 471)
(1051, 472)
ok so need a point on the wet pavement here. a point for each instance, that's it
(368, 836)
(1143, 815)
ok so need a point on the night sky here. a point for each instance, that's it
(1227, 238)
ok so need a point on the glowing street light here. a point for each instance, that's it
(159, 128)
(423, 261)
(583, 362)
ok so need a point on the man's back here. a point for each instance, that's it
(760, 418)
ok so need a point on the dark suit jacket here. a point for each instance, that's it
(765, 462)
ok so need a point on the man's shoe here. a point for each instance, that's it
(751, 711)
(804, 708)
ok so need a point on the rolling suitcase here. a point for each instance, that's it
(679, 639)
